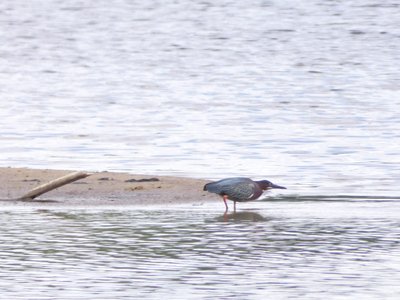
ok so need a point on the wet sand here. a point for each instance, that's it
(102, 188)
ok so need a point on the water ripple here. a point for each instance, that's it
(151, 253)
(208, 90)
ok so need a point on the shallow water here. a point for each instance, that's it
(291, 248)
(306, 95)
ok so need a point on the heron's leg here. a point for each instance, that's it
(225, 197)
(234, 206)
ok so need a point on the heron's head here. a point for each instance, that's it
(267, 185)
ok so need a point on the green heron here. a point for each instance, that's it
(239, 189)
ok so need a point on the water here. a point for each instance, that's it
(277, 249)
(305, 94)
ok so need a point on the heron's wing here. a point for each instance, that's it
(218, 187)
(241, 191)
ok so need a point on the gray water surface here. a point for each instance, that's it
(290, 248)
(305, 93)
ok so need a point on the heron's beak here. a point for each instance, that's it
(275, 186)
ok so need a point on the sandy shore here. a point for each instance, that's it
(103, 188)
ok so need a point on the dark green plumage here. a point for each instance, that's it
(239, 189)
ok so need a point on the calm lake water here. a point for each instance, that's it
(303, 93)
(277, 250)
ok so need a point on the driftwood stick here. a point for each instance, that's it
(44, 188)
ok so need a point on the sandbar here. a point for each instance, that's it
(101, 189)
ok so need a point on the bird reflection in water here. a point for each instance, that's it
(242, 216)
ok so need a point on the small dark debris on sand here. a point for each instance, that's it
(104, 179)
(143, 180)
